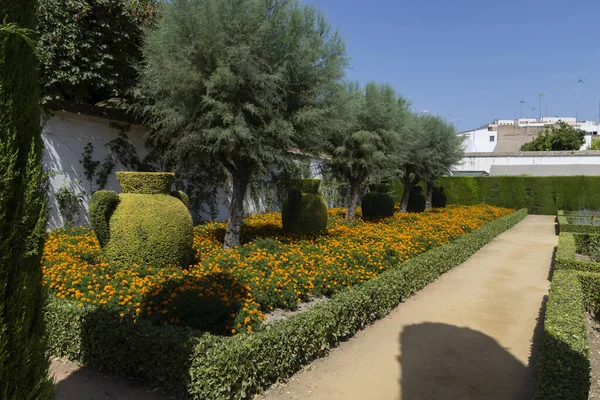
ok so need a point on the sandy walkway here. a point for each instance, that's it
(468, 335)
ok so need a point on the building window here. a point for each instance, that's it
(492, 138)
(490, 128)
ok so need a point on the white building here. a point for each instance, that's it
(485, 138)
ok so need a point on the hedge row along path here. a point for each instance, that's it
(468, 335)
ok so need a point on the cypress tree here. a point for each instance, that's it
(23, 364)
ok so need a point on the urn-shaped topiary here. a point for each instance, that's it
(305, 210)
(377, 203)
(416, 201)
(438, 198)
(146, 222)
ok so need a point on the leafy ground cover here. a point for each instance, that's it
(230, 292)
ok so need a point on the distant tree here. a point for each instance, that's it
(595, 145)
(241, 80)
(364, 137)
(442, 148)
(23, 363)
(411, 158)
(554, 138)
(88, 49)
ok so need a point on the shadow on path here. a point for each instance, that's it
(442, 361)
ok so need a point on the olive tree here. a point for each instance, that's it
(442, 149)
(240, 80)
(364, 138)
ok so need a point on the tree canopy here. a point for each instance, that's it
(88, 49)
(554, 138)
(442, 149)
(246, 82)
(363, 139)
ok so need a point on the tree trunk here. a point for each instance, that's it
(428, 203)
(406, 194)
(354, 199)
(236, 211)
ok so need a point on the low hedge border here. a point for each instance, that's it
(565, 255)
(210, 367)
(565, 226)
(563, 363)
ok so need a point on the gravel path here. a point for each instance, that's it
(469, 335)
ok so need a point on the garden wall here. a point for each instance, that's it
(540, 195)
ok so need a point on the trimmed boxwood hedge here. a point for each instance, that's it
(565, 255)
(567, 223)
(210, 367)
(563, 363)
(540, 194)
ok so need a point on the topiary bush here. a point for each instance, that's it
(416, 201)
(377, 203)
(305, 210)
(439, 199)
(143, 223)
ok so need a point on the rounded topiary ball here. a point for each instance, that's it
(416, 200)
(377, 205)
(305, 210)
(438, 198)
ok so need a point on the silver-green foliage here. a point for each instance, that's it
(241, 80)
(365, 137)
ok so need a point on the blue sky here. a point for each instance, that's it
(472, 61)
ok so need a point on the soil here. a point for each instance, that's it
(583, 257)
(279, 314)
(472, 334)
(594, 339)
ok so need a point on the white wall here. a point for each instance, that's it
(65, 136)
(569, 163)
(478, 141)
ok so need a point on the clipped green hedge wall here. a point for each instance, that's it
(541, 195)
(211, 367)
(563, 364)
(102, 206)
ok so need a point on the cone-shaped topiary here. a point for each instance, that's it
(377, 203)
(145, 222)
(305, 210)
(416, 201)
(438, 198)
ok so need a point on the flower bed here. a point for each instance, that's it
(229, 292)
(203, 366)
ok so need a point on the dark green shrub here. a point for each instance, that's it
(305, 210)
(102, 206)
(438, 199)
(416, 201)
(144, 223)
(377, 205)
(23, 362)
